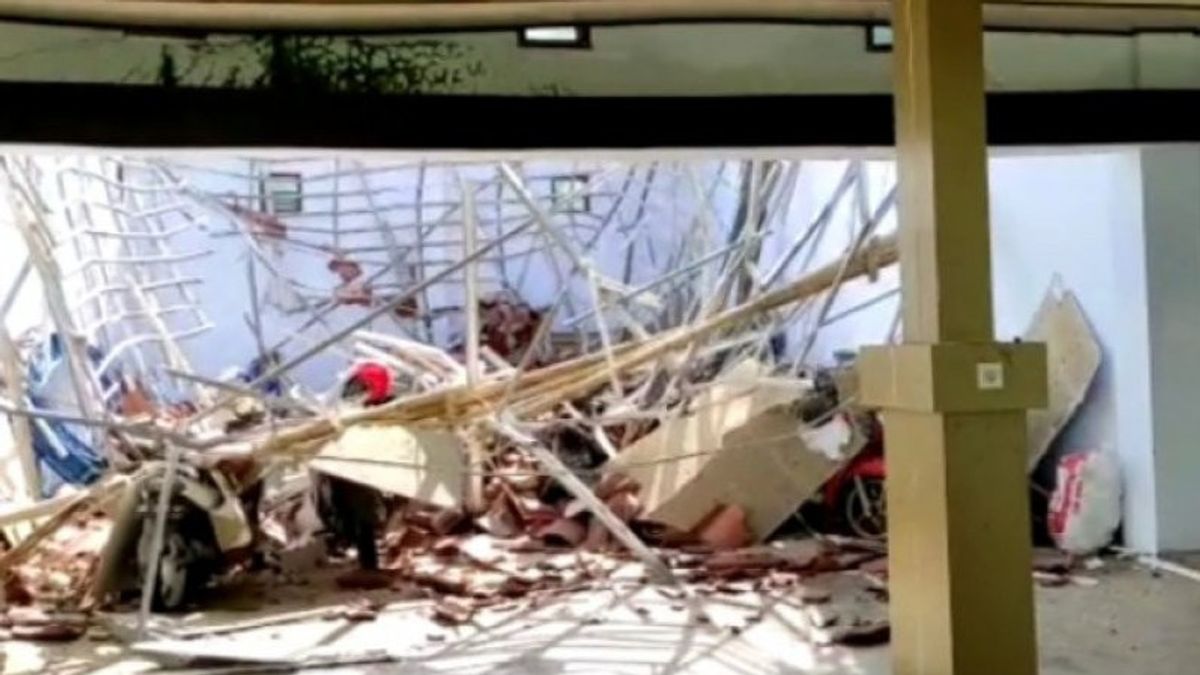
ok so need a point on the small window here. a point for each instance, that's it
(562, 37)
(561, 189)
(879, 38)
(281, 193)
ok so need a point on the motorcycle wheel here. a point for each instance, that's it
(864, 508)
(171, 590)
(174, 580)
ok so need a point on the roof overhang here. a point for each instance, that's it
(1109, 16)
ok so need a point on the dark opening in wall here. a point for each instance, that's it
(282, 193)
(563, 186)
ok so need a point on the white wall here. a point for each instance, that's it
(1073, 219)
(1172, 261)
(1078, 218)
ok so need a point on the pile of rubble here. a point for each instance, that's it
(514, 466)
(573, 478)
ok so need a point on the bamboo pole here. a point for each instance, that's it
(14, 380)
(470, 274)
(386, 233)
(476, 455)
(22, 430)
(859, 239)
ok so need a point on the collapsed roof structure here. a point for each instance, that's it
(624, 357)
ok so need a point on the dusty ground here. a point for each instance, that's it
(1132, 621)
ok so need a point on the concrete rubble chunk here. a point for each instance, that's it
(740, 445)
(424, 465)
(821, 616)
(813, 595)
(454, 611)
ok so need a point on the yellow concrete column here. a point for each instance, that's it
(953, 401)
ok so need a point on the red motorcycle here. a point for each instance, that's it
(855, 496)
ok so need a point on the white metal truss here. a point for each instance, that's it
(115, 245)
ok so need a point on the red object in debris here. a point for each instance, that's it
(261, 224)
(375, 380)
(346, 269)
(855, 494)
(726, 529)
(408, 308)
(354, 293)
(50, 632)
(1085, 508)
(508, 325)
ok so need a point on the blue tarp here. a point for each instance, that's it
(258, 367)
(63, 450)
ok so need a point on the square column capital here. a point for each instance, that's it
(951, 377)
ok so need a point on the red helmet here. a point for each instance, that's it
(372, 379)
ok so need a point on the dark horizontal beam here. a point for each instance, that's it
(146, 116)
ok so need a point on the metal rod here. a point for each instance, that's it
(242, 390)
(834, 318)
(624, 298)
(419, 273)
(868, 228)
(10, 297)
(392, 246)
(847, 181)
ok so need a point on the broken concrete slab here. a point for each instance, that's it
(740, 445)
(425, 465)
(1073, 357)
